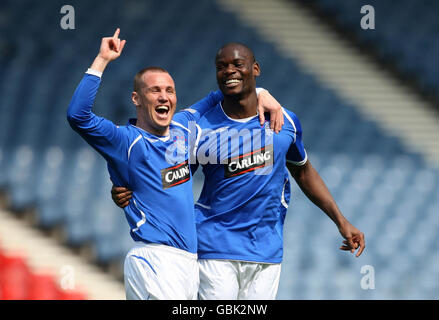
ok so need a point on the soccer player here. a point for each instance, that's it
(246, 191)
(163, 263)
(150, 155)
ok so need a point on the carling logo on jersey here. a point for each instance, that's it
(249, 162)
(175, 175)
(239, 151)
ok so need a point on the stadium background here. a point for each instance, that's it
(367, 100)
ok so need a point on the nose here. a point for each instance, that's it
(163, 97)
(230, 69)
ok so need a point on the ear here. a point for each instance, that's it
(256, 69)
(135, 99)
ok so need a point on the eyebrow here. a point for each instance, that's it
(234, 60)
(159, 87)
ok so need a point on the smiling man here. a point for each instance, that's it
(154, 86)
(241, 210)
(246, 192)
(237, 84)
(163, 263)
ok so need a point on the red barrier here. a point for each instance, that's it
(18, 282)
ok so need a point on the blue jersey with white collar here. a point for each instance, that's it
(155, 168)
(246, 191)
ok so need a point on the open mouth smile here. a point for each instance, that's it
(232, 83)
(162, 111)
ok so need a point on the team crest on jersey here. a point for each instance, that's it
(175, 175)
(181, 145)
(268, 130)
(180, 142)
(249, 162)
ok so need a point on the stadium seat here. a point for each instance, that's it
(399, 38)
(390, 192)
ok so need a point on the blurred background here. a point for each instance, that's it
(364, 83)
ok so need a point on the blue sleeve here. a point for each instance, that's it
(296, 153)
(196, 111)
(103, 135)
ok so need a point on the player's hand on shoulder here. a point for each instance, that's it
(121, 196)
(267, 103)
(111, 47)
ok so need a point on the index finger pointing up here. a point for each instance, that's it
(116, 33)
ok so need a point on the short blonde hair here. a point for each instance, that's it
(138, 82)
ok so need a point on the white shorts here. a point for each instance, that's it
(238, 280)
(160, 272)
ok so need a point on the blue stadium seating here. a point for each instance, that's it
(405, 34)
(387, 191)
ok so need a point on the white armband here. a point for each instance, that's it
(94, 72)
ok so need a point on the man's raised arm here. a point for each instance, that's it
(100, 133)
(79, 111)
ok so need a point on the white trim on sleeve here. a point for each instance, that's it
(300, 163)
(282, 198)
(132, 144)
(202, 205)
(94, 72)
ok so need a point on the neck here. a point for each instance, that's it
(141, 123)
(241, 107)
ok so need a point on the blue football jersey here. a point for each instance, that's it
(246, 191)
(155, 168)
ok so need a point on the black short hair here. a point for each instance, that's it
(237, 44)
